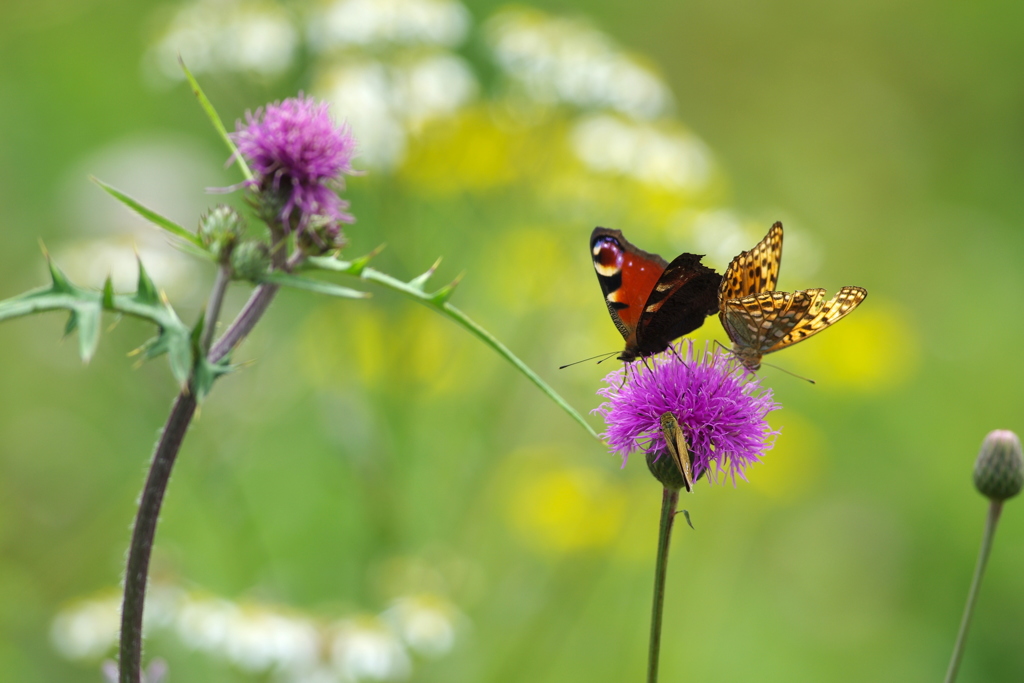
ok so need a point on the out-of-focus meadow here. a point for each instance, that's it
(377, 493)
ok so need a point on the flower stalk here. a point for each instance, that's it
(999, 476)
(994, 510)
(141, 548)
(669, 500)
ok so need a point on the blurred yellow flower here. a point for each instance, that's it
(471, 151)
(874, 350)
(566, 510)
(796, 459)
(341, 342)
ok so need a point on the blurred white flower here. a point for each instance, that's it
(90, 262)
(425, 622)
(568, 60)
(672, 160)
(346, 23)
(252, 637)
(320, 674)
(722, 233)
(168, 174)
(224, 35)
(87, 629)
(719, 233)
(204, 624)
(292, 646)
(366, 648)
(433, 87)
(360, 93)
(384, 102)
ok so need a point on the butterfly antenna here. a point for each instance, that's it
(602, 356)
(806, 379)
(675, 352)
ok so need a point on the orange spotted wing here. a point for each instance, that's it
(651, 302)
(760, 320)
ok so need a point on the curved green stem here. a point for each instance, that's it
(669, 499)
(141, 547)
(972, 596)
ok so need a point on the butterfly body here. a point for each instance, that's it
(651, 301)
(760, 320)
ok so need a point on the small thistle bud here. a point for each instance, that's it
(322, 234)
(250, 260)
(999, 470)
(665, 470)
(219, 230)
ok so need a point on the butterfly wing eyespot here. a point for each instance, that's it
(651, 301)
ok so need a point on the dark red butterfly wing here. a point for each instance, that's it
(686, 293)
(650, 301)
(626, 275)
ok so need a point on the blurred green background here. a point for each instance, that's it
(373, 456)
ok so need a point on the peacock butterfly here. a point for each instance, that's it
(651, 302)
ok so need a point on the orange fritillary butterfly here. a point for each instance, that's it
(761, 321)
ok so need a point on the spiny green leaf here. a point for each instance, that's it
(179, 353)
(197, 333)
(442, 295)
(146, 292)
(218, 125)
(88, 322)
(108, 293)
(85, 308)
(57, 276)
(206, 373)
(336, 265)
(360, 263)
(319, 286)
(150, 215)
(419, 281)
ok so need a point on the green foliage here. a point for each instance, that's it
(150, 215)
(85, 306)
(205, 103)
(438, 301)
(318, 286)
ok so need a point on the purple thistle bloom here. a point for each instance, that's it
(298, 153)
(720, 408)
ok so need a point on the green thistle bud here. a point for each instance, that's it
(665, 470)
(250, 260)
(219, 230)
(999, 470)
(322, 234)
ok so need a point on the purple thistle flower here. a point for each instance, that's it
(720, 408)
(299, 155)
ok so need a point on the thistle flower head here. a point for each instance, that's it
(720, 409)
(298, 155)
